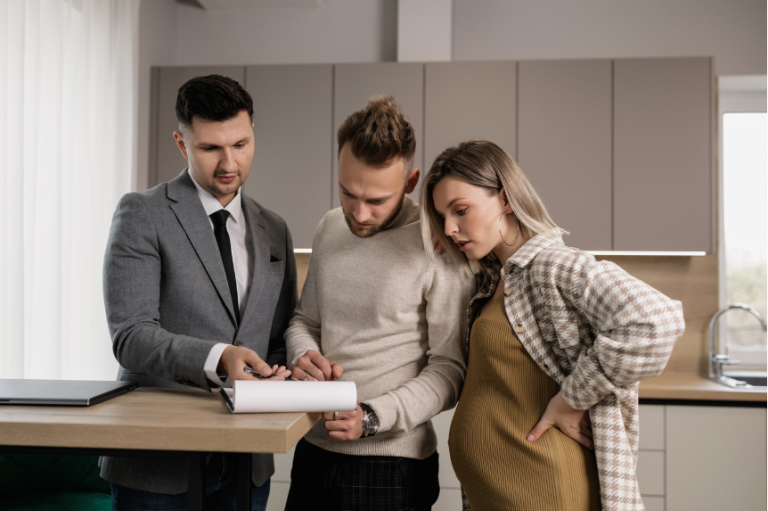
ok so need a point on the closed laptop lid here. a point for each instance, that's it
(61, 392)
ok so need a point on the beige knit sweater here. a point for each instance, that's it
(393, 322)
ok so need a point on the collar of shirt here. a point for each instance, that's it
(211, 204)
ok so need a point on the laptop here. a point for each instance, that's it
(61, 392)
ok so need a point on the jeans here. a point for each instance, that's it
(220, 492)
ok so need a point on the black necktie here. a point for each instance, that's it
(219, 219)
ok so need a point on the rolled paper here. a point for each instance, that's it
(249, 396)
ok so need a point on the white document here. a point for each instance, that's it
(291, 396)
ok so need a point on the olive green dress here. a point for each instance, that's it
(504, 396)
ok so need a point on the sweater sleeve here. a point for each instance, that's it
(438, 385)
(303, 333)
(636, 328)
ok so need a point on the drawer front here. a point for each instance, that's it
(652, 427)
(653, 503)
(650, 472)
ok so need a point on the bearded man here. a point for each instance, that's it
(375, 311)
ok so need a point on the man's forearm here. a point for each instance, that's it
(301, 337)
(435, 389)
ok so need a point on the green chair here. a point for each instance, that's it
(38, 482)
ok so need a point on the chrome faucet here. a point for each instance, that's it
(717, 361)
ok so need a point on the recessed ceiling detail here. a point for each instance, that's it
(249, 4)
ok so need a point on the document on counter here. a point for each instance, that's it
(290, 396)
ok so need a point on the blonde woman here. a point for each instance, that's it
(556, 346)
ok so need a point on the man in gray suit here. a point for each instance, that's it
(199, 283)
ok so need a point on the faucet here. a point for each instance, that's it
(717, 361)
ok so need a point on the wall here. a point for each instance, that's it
(337, 31)
(733, 31)
(157, 47)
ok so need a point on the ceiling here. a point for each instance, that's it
(246, 4)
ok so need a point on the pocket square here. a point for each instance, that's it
(273, 259)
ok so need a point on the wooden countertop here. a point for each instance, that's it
(154, 419)
(694, 387)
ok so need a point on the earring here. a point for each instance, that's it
(516, 236)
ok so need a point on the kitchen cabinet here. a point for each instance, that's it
(354, 84)
(662, 140)
(716, 458)
(620, 151)
(650, 457)
(465, 100)
(564, 145)
(165, 159)
(291, 170)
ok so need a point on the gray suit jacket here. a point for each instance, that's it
(168, 303)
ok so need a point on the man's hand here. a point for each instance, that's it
(234, 359)
(574, 423)
(348, 427)
(314, 366)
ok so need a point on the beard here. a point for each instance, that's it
(373, 228)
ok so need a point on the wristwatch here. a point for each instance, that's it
(370, 421)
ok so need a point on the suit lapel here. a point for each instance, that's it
(260, 244)
(191, 215)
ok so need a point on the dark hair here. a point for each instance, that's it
(211, 98)
(379, 133)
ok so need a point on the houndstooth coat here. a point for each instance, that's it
(595, 330)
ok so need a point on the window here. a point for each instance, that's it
(744, 212)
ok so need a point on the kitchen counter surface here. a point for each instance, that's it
(687, 386)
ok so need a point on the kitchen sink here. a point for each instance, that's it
(737, 381)
(755, 381)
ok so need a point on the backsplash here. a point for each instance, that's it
(692, 280)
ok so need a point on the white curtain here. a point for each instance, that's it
(67, 95)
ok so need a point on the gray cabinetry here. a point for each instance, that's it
(564, 144)
(662, 154)
(165, 159)
(465, 100)
(291, 170)
(619, 151)
(715, 458)
(354, 85)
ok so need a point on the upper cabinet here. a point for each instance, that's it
(564, 144)
(620, 151)
(355, 84)
(662, 143)
(465, 100)
(165, 159)
(293, 133)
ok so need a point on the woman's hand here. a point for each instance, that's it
(574, 423)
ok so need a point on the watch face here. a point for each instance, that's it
(371, 423)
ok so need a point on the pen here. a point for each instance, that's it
(252, 371)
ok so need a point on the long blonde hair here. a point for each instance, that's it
(484, 164)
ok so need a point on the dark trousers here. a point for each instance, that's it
(327, 481)
(220, 492)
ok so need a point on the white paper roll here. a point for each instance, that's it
(292, 396)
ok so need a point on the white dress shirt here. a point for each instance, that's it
(242, 259)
